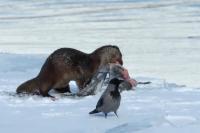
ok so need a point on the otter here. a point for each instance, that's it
(66, 64)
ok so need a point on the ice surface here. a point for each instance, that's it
(159, 40)
(151, 107)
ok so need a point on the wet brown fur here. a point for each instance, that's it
(67, 64)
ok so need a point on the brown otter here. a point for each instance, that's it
(67, 64)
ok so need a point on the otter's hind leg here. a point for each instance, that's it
(44, 91)
(46, 94)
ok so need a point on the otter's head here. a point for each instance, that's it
(109, 54)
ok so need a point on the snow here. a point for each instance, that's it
(159, 40)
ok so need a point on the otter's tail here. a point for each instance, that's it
(94, 111)
(30, 87)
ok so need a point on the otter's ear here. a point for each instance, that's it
(115, 46)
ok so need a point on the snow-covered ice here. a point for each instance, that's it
(160, 42)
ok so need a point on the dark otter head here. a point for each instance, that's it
(108, 54)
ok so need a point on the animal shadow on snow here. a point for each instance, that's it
(129, 127)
